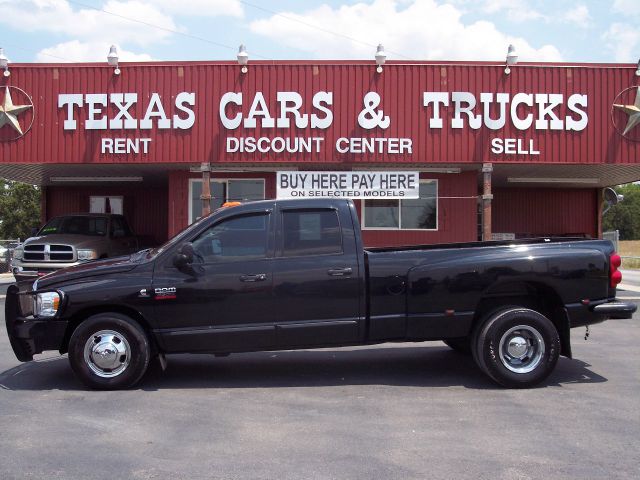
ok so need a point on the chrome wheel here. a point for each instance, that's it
(107, 353)
(521, 349)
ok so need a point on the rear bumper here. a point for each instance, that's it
(27, 335)
(598, 311)
(616, 309)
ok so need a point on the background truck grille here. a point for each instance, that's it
(48, 253)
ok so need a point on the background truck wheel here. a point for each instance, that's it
(517, 347)
(109, 351)
(460, 345)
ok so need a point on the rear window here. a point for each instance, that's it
(80, 225)
(311, 232)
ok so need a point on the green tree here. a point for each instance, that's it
(625, 216)
(19, 209)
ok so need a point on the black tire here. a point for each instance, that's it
(460, 345)
(517, 347)
(120, 347)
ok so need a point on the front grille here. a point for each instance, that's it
(49, 253)
(61, 253)
(34, 252)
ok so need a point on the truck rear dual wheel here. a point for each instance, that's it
(517, 347)
(109, 351)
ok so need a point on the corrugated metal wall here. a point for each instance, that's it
(400, 86)
(144, 208)
(457, 217)
(545, 211)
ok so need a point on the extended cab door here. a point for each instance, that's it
(317, 275)
(223, 301)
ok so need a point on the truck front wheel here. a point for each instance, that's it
(109, 351)
(517, 347)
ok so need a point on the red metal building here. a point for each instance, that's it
(519, 154)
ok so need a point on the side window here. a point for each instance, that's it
(311, 232)
(237, 238)
(117, 229)
(125, 226)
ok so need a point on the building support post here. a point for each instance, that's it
(599, 219)
(43, 205)
(206, 189)
(487, 168)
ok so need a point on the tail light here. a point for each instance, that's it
(615, 275)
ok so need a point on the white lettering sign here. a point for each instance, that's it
(348, 185)
(546, 109)
(290, 107)
(99, 114)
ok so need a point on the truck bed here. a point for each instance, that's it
(442, 288)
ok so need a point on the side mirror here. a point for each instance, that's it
(34, 231)
(612, 198)
(184, 256)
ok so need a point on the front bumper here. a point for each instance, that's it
(27, 335)
(33, 270)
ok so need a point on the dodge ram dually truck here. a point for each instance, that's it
(293, 274)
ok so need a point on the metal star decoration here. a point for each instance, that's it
(633, 111)
(9, 112)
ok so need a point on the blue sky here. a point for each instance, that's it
(82, 30)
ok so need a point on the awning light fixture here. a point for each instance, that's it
(95, 179)
(552, 180)
(381, 57)
(112, 59)
(512, 59)
(243, 58)
(4, 63)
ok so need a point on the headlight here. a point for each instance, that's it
(87, 254)
(18, 254)
(46, 304)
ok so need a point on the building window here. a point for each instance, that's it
(241, 190)
(411, 214)
(105, 205)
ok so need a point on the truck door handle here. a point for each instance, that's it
(340, 272)
(258, 277)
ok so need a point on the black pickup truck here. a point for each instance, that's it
(292, 274)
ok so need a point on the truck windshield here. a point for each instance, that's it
(78, 225)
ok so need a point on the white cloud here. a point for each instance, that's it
(579, 16)
(75, 51)
(141, 23)
(627, 7)
(516, 10)
(209, 8)
(419, 29)
(623, 40)
(57, 16)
